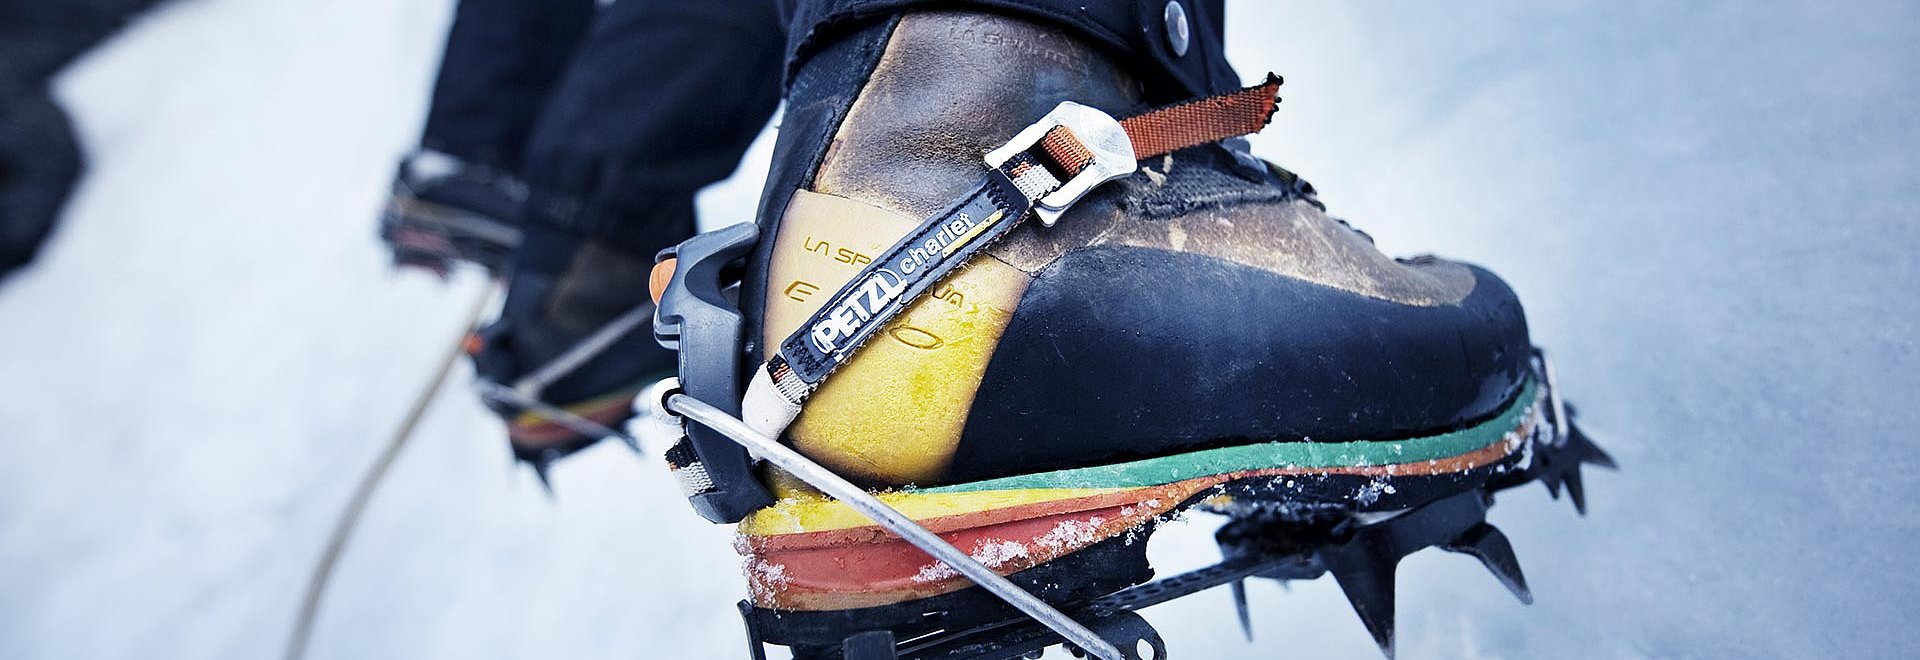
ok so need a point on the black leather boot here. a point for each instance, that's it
(1200, 329)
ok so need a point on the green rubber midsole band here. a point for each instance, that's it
(1269, 455)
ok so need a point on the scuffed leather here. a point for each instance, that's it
(952, 86)
(1240, 221)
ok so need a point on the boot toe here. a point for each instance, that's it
(1147, 352)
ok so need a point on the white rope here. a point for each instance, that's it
(376, 473)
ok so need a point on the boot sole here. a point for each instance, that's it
(810, 556)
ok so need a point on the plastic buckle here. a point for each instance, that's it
(699, 318)
(1113, 155)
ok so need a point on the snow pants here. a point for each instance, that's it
(617, 115)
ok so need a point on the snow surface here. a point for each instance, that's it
(1709, 208)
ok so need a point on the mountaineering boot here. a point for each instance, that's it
(444, 210)
(562, 291)
(1198, 331)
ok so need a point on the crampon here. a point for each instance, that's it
(1356, 527)
(834, 577)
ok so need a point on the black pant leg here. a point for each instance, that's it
(503, 58)
(663, 98)
(1141, 34)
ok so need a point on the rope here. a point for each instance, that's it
(350, 517)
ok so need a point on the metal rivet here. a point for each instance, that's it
(1177, 33)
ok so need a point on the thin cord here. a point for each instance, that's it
(350, 517)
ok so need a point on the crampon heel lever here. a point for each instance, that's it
(698, 317)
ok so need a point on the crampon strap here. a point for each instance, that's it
(1042, 171)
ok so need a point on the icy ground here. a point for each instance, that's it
(1709, 208)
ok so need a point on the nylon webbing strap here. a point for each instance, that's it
(901, 274)
(1043, 170)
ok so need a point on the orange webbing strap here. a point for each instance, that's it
(1064, 149)
(1171, 128)
(1200, 121)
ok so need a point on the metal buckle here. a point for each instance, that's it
(1113, 155)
